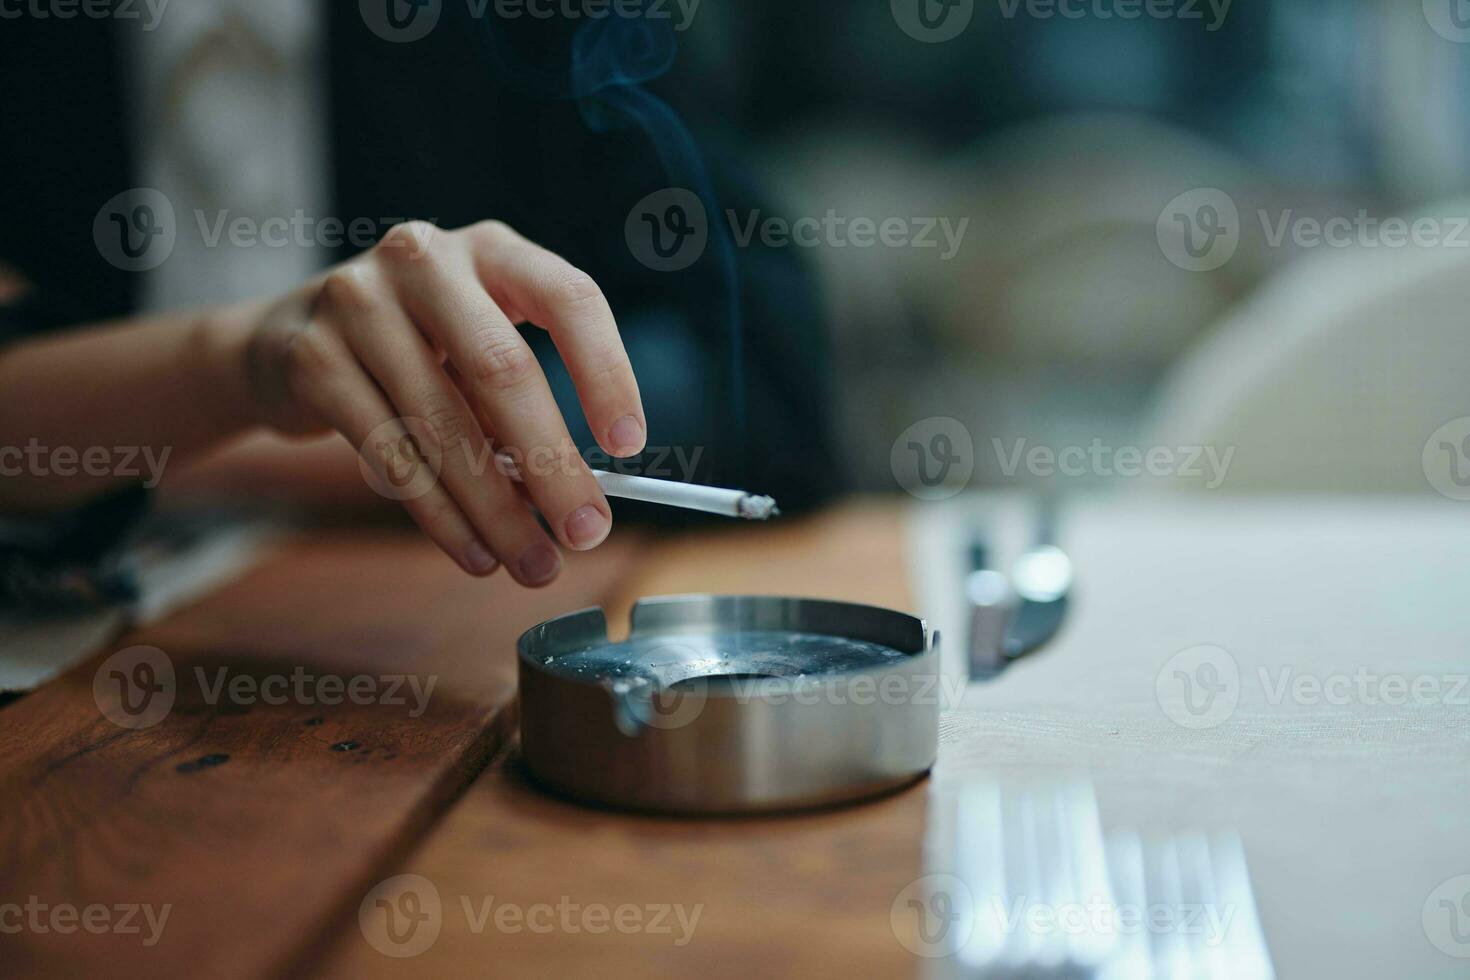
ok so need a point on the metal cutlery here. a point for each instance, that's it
(1016, 615)
(1046, 895)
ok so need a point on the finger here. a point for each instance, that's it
(488, 428)
(331, 382)
(443, 296)
(407, 369)
(546, 289)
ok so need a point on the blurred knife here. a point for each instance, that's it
(1042, 579)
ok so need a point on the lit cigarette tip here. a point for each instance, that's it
(755, 508)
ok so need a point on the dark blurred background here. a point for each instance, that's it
(1063, 140)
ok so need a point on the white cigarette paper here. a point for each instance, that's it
(688, 496)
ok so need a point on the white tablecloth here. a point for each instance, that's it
(1353, 800)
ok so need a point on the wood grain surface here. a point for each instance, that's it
(258, 824)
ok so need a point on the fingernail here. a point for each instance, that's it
(539, 563)
(626, 436)
(477, 559)
(587, 527)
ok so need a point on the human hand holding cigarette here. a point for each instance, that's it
(416, 340)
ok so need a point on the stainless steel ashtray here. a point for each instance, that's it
(726, 704)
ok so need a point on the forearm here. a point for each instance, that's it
(98, 408)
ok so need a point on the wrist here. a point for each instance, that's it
(220, 363)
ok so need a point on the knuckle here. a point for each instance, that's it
(492, 231)
(502, 361)
(349, 290)
(441, 519)
(308, 361)
(309, 354)
(409, 241)
(511, 518)
(607, 367)
(573, 288)
(553, 461)
(447, 422)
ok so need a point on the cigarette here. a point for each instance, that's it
(688, 496)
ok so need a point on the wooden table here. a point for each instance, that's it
(263, 826)
(271, 832)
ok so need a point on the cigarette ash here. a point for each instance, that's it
(754, 508)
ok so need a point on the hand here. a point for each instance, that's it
(411, 352)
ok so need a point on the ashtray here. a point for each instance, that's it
(730, 704)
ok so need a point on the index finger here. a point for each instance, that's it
(549, 291)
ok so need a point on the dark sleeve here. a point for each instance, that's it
(760, 418)
(72, 559)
